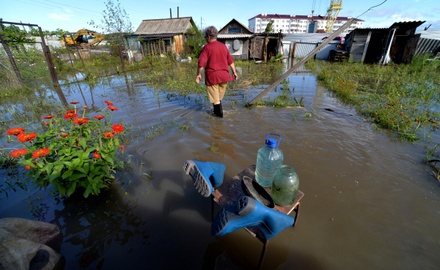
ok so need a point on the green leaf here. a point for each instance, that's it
(58, 168)
(67, 174)
(54, 176)
(87, 191)
(48, 168)
(80, 169)
(77, 176)
(76, 162)
(68, 164)
(71, 189)
(82, 142)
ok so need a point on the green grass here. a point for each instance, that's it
(401, 98)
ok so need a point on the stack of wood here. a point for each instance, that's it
(338, 56)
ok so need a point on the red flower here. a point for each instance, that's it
(74, 102)
(112, 108)
(23, 137)
(69, 115)
(27, 167)
(118, 128)
(99, 117)
(18, 153)
(122, 147)
(85, 107)
(48, 116)
(80, 121)
(40, 152)
(108, 102)
(109, 135)
(64, 135)
(15, 131)
(96, 155)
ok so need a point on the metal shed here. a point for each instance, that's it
(381, 45)
(429, 42)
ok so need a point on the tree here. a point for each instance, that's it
(15, 37)
(115, 21)
(194, 41)
(269, 28)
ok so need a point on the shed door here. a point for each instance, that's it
(358, 47)
(256, 48)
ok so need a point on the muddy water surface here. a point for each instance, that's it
(370, 202)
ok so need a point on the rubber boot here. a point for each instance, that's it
(250, 212)
(218, 110)
(206, 176)
(215, 109)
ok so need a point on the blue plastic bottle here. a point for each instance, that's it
(269, 160)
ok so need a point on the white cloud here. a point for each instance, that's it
(61, 15)
(402, 18)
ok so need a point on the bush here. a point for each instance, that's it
(74, 152)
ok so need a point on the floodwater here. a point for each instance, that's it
(370, 202)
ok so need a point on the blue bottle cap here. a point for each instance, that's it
(271, 143)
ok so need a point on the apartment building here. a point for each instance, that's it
(289, 24)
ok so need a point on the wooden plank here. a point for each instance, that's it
(301, 62)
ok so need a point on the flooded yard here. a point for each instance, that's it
(370, 201)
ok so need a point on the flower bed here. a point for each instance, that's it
(74, 151)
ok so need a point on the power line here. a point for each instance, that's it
(371, 8)
(47, 5)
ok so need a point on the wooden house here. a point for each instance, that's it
(161, 36)
(236, 37)
(243, 44)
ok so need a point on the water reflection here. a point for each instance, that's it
(370, 202)
(91, 227)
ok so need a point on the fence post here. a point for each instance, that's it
(11, 58)
(51, 67)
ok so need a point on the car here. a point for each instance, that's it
(339, 39)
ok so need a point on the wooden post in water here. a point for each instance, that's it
(301, 62)
(122, 58)
(51, 67)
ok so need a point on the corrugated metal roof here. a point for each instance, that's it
(301, 17)
(164, 26)
(227, 36)
(369, 29)
(430, 34)
(407, 25)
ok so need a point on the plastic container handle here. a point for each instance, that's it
(274, 134)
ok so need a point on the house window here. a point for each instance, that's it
(234, 30)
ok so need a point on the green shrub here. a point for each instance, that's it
(74, 151)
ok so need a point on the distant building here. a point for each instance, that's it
(289, 24)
